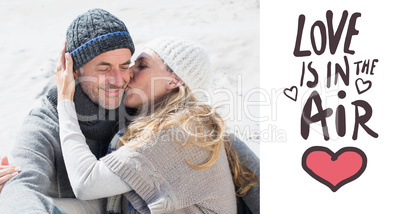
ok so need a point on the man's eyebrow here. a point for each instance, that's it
(104, 63)
(110, 64)
(128, 62)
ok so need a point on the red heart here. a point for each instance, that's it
(334, 169)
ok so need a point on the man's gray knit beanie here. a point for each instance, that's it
(96, 32)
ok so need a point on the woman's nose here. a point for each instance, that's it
(132, 72)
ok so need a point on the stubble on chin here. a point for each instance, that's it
(110, 103)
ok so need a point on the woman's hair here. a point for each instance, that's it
(202, 125)
(205, 128)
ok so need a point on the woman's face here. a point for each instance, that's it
(150, 80)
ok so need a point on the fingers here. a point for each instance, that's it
(64, 76)
(61, 62)
(69, 62)
(68, 73)
(5, 178)
(65, 79)
(4, 161)
(6, 167)
(8, 170)
(7, 174)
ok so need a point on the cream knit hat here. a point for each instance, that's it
(188, 60)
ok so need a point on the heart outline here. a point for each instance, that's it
(334, 157)
(291, 90)
(364, 83)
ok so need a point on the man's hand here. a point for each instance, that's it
(6, 171)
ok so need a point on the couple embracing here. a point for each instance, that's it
(111, 138)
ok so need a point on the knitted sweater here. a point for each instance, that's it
(38, 153)
(163, 182)
(160, 179)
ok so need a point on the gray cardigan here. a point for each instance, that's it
(38, 153)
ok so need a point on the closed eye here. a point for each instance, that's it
(125, 65)
(141, 65)
(103, 68)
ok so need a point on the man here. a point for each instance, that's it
(101, 48)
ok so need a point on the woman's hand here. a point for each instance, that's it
(6, 172)
(64, 76)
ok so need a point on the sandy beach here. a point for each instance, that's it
(32, 33)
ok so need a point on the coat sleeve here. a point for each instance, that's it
(251, 161)
(34, 153)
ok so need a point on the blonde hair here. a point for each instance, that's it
(204, 127)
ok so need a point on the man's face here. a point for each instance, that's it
(104, 78)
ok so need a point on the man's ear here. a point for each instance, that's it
(174, 83)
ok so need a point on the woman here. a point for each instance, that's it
(172, 156)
